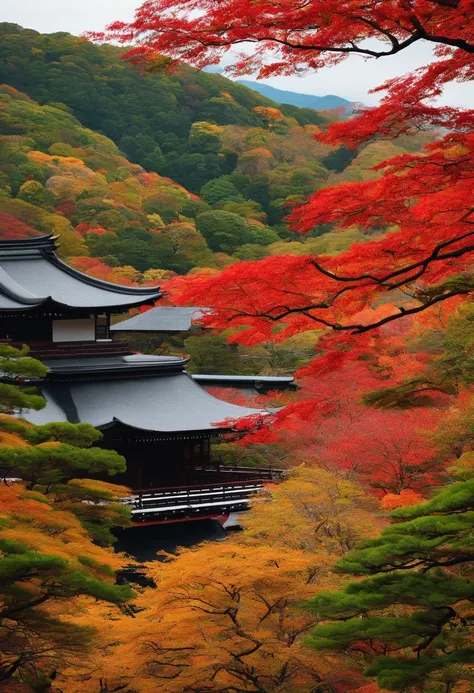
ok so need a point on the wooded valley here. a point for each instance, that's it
(333, 245)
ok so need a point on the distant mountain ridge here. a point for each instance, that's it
(295, 98)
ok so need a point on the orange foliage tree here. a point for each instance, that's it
(55, 528)
(268, 113)
(313, 510)
(224, 617)
(47, 560)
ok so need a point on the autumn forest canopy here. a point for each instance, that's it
(335, 245)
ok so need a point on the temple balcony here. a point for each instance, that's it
(186, 503)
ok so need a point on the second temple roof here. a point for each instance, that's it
(147, 393)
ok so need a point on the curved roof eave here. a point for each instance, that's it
(132, 427)
(16, 254)
(49, 301)
(36, 242)
(100, 283)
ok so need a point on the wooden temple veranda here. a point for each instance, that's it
(147, 407)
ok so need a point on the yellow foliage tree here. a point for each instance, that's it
(224, 616)
(268, 113)
(315, 511)
(221, 619)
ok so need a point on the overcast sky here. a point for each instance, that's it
(351, 80)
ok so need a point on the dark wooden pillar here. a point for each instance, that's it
(139, 475)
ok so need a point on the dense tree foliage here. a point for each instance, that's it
(223, 617)
(58, 176)
(17, 367)
(55, 527)
(47, 560)
(412, 618)
(53, 458)
(383, 419)
(244, 156)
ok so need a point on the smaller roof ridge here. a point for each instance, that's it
(131, 366)
(45, 242)
(101, 283)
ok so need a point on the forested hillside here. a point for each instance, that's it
(150, 114)
(58, 176)
(99, 150)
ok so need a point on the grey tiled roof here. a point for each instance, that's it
(31, 275)
(167, 403)
(161, 319)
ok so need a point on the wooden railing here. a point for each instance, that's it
(216, 473)
(162, 497)
(191, 502)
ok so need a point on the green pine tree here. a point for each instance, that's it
(55, 530)
(412, 619)
(17, 371)
(57, 470)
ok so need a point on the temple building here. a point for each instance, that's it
(147, 407)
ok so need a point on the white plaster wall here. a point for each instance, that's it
(74, 330)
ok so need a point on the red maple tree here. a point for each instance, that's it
(12, 228)
(423, 199)
(389, 450)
